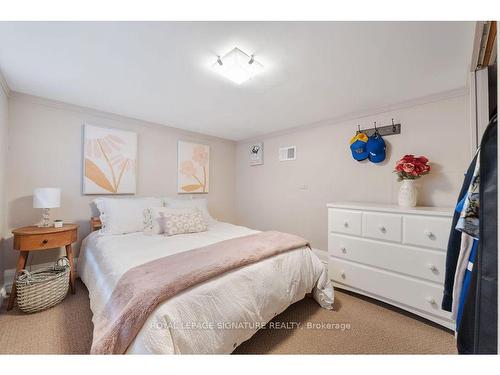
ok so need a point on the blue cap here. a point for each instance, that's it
(358, 146)
(376, 148)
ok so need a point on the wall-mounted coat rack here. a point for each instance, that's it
(383, 130)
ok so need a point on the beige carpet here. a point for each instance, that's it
(368, 327)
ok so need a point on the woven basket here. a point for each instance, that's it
(44, 288)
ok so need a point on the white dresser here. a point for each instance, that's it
(393, 254)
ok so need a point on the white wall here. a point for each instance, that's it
(270, 196)
(3, 166)
(45, 142)
(45, 149)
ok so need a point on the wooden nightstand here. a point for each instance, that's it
(28, 239)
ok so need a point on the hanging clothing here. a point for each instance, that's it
(454, 242)
(468, 221)
(462, 264)
(478, 327)
(465, 283)
(468, 225)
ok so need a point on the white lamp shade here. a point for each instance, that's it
(46, 198)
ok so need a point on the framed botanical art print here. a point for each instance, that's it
(109, 161)
(257, 153)
(193, 169)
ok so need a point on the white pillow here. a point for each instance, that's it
(154, 217)
(168, 200)
(123, 215)
(181, 223)
(200, 203)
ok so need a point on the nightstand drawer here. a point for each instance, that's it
(44, 241)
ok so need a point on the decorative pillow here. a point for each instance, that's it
(184, 223)
(123, 215)
(200, 203)
(154, 217)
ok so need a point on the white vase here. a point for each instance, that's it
(407, 194)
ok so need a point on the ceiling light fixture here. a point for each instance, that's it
(237, 66)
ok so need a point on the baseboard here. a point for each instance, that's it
(9, 274)
(8, 277)
(3, 295)
(322, 255)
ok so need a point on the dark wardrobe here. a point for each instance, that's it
(478, 331)
(471, 280)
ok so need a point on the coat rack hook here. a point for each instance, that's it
(393, 126)
(359, 129)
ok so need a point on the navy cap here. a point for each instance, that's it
(376, 148)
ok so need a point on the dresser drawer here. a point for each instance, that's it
(425, 264)
(411, 292)
(382, 226)
(344, 221)
(426, 231)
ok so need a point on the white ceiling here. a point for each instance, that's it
(159, 71)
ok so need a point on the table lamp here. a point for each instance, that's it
(46, 198)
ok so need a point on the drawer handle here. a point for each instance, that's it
(432, 267)
(430, 300)
(342, 274)
(45, 241)
(429, 234)
(346, 224)
(382, 229)
(343, 249)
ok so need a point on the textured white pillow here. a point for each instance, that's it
(154, 217)
(200, 203)
(123, 215)
(181, 223)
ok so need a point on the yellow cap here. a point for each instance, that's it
(359, 137)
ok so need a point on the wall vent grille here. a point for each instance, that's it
(288, 153)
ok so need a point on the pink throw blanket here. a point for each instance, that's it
(141, 289)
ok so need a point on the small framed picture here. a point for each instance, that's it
(257, 153)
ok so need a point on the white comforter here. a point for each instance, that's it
(215, 316)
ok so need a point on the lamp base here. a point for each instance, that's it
(45, 218)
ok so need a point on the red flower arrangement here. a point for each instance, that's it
(410, 168)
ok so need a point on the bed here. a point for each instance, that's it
(212, 317)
